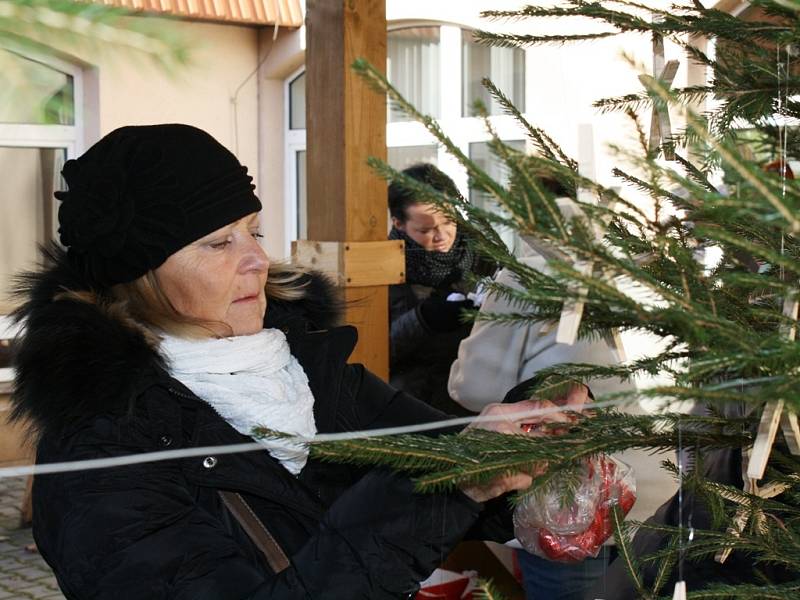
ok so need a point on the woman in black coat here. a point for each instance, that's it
(426, 311)
(151, 332)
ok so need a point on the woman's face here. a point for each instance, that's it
(220, 278)
(430, 228)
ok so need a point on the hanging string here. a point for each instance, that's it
(783, 136)
(680, 502)
(148, 457)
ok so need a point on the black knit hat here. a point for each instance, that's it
(142, 193)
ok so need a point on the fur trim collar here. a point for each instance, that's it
(79, 354)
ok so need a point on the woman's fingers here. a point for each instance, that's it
(512, 418)
(498, 486)
(577, 395)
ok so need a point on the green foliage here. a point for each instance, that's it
(486, 591)
(726, 342)
(30, 24)
(36, 27)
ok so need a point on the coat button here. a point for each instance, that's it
(165, 440)
(209, 462)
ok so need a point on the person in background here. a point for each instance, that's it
(426, 311)
(495, 358)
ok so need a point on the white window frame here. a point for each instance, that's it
(294, 141)
(24, 135)
(461, 130)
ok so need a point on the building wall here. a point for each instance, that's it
(201, 94)
(285, 53)
(122, 88)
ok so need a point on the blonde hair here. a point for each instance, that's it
(148, 305)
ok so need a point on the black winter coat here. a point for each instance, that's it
(94, 386)
(420, 357)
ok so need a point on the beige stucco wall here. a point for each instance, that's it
(201, 94)
(216, 91)
(123, 87)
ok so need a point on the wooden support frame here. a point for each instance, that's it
(354, 264)
(347, 203)
(775, 415)
(744, 512)
(664, 73)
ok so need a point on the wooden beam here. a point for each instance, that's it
(346, 124)
(354, 264)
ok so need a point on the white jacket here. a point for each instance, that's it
(497, 356)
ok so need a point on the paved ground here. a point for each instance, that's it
(23, 574)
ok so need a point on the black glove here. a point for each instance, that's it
(439, 315)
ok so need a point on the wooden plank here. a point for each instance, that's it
(767, 429)
(374, 263)
(791, 431)
(572, 312)
(15, 446)
(365, 122)
(368, 311)
(774, 414)
(325, 257)
(790, 310)
(325, 109)
(346, 124)
(346, 121)
(680, 591)
(354, 264)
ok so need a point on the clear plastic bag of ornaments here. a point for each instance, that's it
(570, 518)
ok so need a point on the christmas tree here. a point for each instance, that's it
(729, 325)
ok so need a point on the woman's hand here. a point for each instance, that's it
(576, 398)
(511, 420)
(508, 422)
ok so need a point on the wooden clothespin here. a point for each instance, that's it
(680, 591)
(744, 512)
(756, 458)
(664, 74)
(774, 414)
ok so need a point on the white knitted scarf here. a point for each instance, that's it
(250, 380)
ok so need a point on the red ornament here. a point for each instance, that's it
(780, 167)
(574, 548)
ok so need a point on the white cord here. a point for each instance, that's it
(147, 457)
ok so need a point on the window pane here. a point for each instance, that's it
(297, 102)
(302, 206)
(403, 157)
(28, 178)
(504, 66)
(31, 92)
(412, 66)
(482, 156)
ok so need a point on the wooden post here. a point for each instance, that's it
(346, 123)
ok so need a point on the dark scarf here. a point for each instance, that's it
(435, 269)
